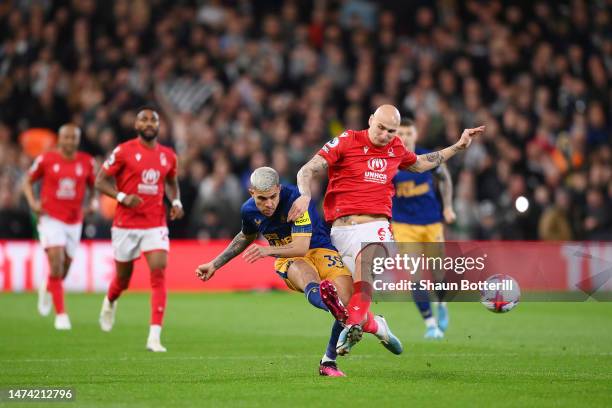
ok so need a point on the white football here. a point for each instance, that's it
(502, 293)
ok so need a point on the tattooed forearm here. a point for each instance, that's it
(435, 158)
(238, 244)
(315, 167)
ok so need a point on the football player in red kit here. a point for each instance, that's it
(143, 170)
(361, 166)
(65, 174)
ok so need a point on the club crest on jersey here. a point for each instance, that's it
(390, 151)
(149, 186)
(79, 169)
(257, 222)
(138, 156)
(365, 149)
(377, 173)
(162, 159)
(56, 168)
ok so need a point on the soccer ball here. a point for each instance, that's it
(502, 293)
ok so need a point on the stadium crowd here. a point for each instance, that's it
(246, 83)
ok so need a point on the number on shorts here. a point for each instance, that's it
(334, 261)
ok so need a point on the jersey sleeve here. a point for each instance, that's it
(248, 226)
(333, 150)
(114, 163)
(173, 167)
(302, 226)
(408, 160)
(37, 169)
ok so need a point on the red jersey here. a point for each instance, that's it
(360, 174)
(141, 170)
(64, 183)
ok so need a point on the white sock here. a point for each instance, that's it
(430, 322)
(155, 331)
(380, 331)
(325, 359)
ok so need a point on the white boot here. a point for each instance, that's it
(107, 314)
(62, 322)
(44, 299)
(154, 342)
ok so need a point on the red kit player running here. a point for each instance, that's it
(65, 173)
(141, 168)
(361, 166)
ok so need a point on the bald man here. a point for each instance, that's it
(66, 174)
(361, 166)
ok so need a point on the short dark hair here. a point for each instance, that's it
(406, 122)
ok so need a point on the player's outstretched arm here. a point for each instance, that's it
(314, 168)
(429, 161)
(105, 185)
(298, 246)
(238, 244)
(445, 185)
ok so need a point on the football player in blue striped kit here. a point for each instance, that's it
(418, 217)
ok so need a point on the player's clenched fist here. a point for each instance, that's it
(298, 208)
(205, 271)
(467, 135)
(131, 200)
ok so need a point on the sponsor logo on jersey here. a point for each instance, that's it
(66, 189)
(149, 186)
(376, 174)
(333, 143)
(303, 220)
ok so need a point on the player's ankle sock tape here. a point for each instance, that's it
(313, 295)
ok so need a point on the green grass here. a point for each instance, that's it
(263, 350)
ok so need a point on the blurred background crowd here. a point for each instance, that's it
(246, 83)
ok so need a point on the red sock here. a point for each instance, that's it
(117, 286)
(370, 326)
(56, 288)
(359, 305)
(158, 297)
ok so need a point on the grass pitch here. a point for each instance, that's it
(253, 349)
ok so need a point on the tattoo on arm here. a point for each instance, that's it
(238, 244)
(435, 157)
(315, 167)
